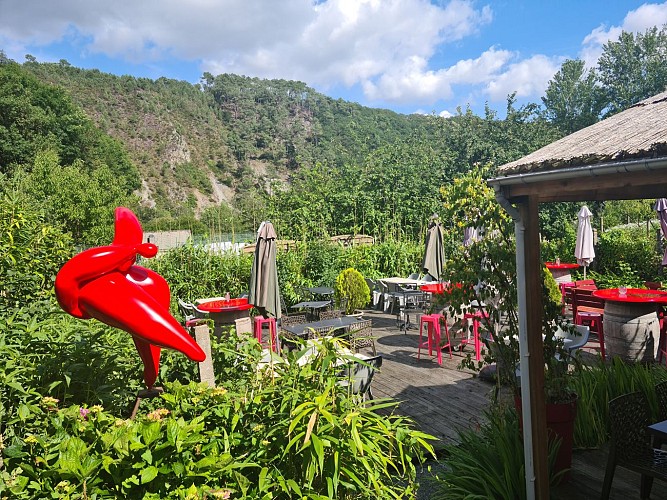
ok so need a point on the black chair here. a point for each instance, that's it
(630, 443)
(360, 375)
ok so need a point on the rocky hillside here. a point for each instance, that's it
(227, 137)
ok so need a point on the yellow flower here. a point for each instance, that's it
(31, 439)
(157, 415)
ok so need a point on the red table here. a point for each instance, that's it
(225, 312)
(438, 288)
(631, 323)
(561, 272)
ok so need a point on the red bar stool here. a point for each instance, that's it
(662, 341)
(595, 322)
(433, 331)
(273, 335)
(475, 317)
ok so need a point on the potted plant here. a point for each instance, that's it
(488, 268)
(351, 291)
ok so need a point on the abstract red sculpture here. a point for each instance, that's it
(103, 283)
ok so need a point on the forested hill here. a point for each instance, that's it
(227, 137)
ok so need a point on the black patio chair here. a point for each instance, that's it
(630, 443)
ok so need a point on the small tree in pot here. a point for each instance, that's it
(351, 291)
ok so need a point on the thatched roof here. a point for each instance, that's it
(638, 132)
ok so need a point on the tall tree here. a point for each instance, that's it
(633, 68)
(573, 100)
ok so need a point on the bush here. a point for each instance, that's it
(489, 462)
(31, 253)
(300, 435)
(631, 246)
(597, 385)
(351, 289)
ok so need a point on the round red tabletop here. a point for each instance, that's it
(438, 288)
(216, 306)
(553, 265)
(636, 295)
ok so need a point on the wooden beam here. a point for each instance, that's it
(629, 186)
(533, 262)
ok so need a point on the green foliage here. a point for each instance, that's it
(302, 434)
(597, 385)
(31, 253)
(632, 246)
(573, 100)
(36, 117)
(486, 271)
(488, 462)
(633, 68)
(618, 212)
(351, 289)
(194, 273)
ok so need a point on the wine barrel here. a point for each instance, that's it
(631, 331)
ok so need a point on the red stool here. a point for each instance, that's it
(273, 335)
(475, 317)
(432, 322)
(563, 293)
(662, 341)
(595, 322)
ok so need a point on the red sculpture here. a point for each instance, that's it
(103, 283)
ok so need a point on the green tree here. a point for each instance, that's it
(573, 100)
(633, 68)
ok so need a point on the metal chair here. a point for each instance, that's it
(630, 443)
(376, 293)
(330, 314)
(361, 335)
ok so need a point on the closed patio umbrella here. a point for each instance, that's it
(434, 254)
(661, 208)
(583, 250)
(264, 291)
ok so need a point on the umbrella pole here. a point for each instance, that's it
(585, 271)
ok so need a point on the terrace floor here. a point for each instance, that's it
(441, 399)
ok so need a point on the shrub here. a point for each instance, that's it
(299, 435)
(352, 290)
(632, 246)
(489, 462)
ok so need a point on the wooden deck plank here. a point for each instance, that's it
(442, 399)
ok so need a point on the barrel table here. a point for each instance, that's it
(631, 324)
(561, 272)
(224, 312)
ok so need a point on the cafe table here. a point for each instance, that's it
(321, 291)
(562, 272)
(631, 323)
(225, 312)
(311, 305)
(659, 433)
(336, 324)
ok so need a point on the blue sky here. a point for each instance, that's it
(406, 55)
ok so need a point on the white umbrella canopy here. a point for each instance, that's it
(661, 209)
(583, 250)
(264, 291)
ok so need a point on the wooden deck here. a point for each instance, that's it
(441, 399)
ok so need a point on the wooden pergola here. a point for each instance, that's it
(620, 158)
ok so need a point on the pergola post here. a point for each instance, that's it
(532, 272)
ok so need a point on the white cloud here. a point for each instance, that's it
(528, 78)
(636, 21)
(329, 43)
